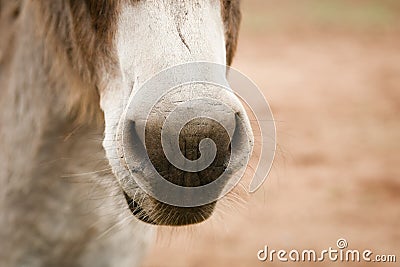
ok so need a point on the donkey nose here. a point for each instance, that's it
(194, 140)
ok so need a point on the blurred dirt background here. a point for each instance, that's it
(331, 72)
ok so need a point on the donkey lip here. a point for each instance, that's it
(137, 210)
(192, 215)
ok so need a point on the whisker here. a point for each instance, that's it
(86, 173)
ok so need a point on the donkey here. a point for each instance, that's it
(67, 69)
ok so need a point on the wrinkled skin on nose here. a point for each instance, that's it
(190, 122)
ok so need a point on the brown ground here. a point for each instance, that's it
(331, 73)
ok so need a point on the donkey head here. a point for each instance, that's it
(115, 47)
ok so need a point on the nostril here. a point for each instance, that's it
(132, 142)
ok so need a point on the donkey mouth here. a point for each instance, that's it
(168, 215)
